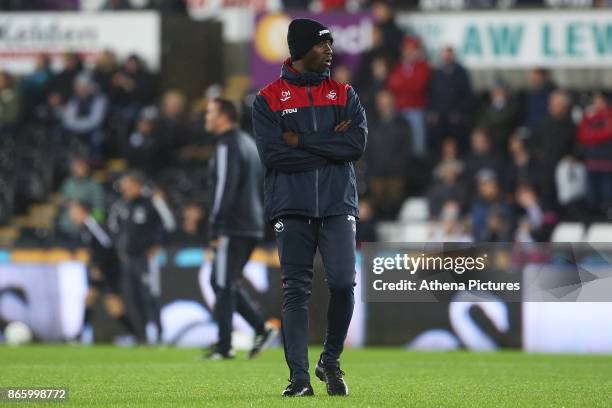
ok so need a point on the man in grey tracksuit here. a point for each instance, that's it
(237, 221)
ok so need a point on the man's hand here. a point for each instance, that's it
(290, 138)
(154, 251)
(342, 126)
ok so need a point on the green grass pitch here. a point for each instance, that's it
(105, 376)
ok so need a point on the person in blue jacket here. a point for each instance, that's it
(309, 131)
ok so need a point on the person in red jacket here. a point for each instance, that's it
(408, 82)
(595, 138)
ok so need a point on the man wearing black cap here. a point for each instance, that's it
(309, 130)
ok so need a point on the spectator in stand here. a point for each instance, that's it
(142, 149)
(449, 154)
(490, 214)
(450, 226)
(384, 19)
(501, 117)
(105, 68)
(34, 86)
(446, 186)
(342, 73)
(375, 82)
(173, 126)
(366, 226)
(82, 188)
(193, 228)
(332, 5)
(63, 82)
(572, 180)
(521, 166)
(553, 139)
(481, 156)
(387, 156)
(448, 151)
(85, 113)
(50, 110)
(51, 116)
(366, 69)
(498, 226)
(535, 225)
(449, 102)
(132, 88)
(595, 137)
(408, 82)
(540, 86)
(10, 104)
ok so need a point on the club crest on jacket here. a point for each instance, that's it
(279, 226)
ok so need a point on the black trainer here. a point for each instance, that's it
(333, 377)
(263, 340)
(215, 355)
(298, 388)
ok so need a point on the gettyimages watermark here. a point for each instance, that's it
(510, 272)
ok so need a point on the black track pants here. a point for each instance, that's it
(231, 256)
(298, 239)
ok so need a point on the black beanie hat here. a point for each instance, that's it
(304, 34)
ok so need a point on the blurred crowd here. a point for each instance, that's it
(502, 166)
(61, 129)
(183, 6)
(104, 5)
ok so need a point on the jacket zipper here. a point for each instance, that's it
(316, 192)
(312, 109)
(316, 129)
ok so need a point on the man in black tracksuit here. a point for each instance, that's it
(103, 272)
(138, 228)
(309, 130)
(237, 221)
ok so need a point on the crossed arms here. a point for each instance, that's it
(291, 152)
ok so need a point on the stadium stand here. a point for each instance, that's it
(568, 232)
(510, 161)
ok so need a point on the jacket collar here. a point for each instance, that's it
(302, 79)
(228, 132)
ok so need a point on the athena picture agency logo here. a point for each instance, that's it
(510, 272)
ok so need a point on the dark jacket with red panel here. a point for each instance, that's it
(595, 136)
(317, 178)
(409, 83)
